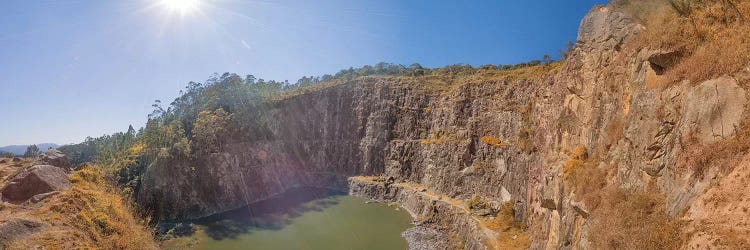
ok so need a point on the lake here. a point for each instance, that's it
(306, 219)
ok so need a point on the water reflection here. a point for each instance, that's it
(313, 219)
(272, 214)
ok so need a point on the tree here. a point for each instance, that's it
(210, 129)
(131, 131)
(32, 151)
(158, 110)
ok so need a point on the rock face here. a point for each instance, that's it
(18, 228)
(366, 127)
(35, 180)
(424, 238)
(413, 130)
(55, 158)
(715, 109)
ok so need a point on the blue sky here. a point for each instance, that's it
(76, 68)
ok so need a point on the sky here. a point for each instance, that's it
(76, 68)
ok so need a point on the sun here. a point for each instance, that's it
(181, 6)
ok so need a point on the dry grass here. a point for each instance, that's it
(439, 83)
(621, 219)
(700, 158)
(583, 176)
(576, 160)
(711, 37)
(493, 141)
(439, 137)
(91, 215)
(614, 131)
(526, 132)
(634, 220)
(510, 234)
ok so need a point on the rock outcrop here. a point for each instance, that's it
(18, 228)
(33, 181)
(428, 208)
(55, 158)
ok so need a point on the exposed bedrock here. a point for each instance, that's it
(504, 139)
(442, 224)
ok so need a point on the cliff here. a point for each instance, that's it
(569, 145)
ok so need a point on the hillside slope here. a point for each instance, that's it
(86, 213)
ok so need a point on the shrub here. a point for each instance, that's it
(493, 141)
(576, 160)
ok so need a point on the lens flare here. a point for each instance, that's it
(181, 6)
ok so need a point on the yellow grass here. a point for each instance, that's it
(493, 141)
(92, 214)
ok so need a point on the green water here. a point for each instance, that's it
(332, 222)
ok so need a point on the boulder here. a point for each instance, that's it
(55, 158)
(16, 159)
(35, 180)
(18, 228)
(40, 197)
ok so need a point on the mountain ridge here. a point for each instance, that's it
(21, 149)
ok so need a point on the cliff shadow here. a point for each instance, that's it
(272, 214)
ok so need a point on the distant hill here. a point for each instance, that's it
(20, 149)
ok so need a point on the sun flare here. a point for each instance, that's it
(181, 6)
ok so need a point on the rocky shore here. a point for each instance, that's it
(441, 222)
